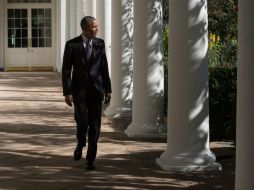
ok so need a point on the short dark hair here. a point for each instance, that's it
(85, 22)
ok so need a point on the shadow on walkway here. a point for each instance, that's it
(38, 136)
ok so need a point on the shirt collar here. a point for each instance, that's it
(85, 39)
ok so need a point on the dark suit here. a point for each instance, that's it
(87, 81)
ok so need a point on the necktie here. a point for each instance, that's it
(88, 50)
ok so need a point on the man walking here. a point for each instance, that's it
(86, 83)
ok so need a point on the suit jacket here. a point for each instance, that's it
(77, 72)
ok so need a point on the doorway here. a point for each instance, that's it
(29, 35)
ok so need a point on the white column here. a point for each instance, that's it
(100, 15)
(103, 16)
(85, 8)
(188, 115)
(73, 18)
(90, 7)
(148, 82)
(245, 101)
(1, 34)
(107, 31)
(94, 8)
(67, 18)
(61, 31)
(80, 14)
(122, 59)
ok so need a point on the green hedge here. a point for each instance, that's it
(222, 102)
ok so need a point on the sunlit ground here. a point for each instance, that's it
(37, 138)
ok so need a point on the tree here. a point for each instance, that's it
(222, 18)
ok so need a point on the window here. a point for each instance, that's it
(28, 1)
(41, 28)
(17, 28)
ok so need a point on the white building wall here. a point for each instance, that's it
(68, 15)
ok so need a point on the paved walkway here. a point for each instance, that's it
(37, 137)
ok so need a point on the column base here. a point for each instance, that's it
(146, 130)
(188, 162)
(118, 112)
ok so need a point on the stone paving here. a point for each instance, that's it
(37, 138)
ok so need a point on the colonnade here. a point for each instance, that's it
(132, 30)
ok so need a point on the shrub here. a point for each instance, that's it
(165, 63)
(222, 53)
(222, 102)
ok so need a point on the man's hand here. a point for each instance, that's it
(107, 98)
(68, 100)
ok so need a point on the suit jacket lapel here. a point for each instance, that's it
(94, 50)
(82, 49)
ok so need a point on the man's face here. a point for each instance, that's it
(92, 30)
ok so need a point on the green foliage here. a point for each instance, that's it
(222, 21)
(223, 53)
(222, 18)
(214, 54)
(165, 44)
(222, 102)
(165, 63)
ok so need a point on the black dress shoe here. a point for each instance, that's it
(90, 166)
(77, 153)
